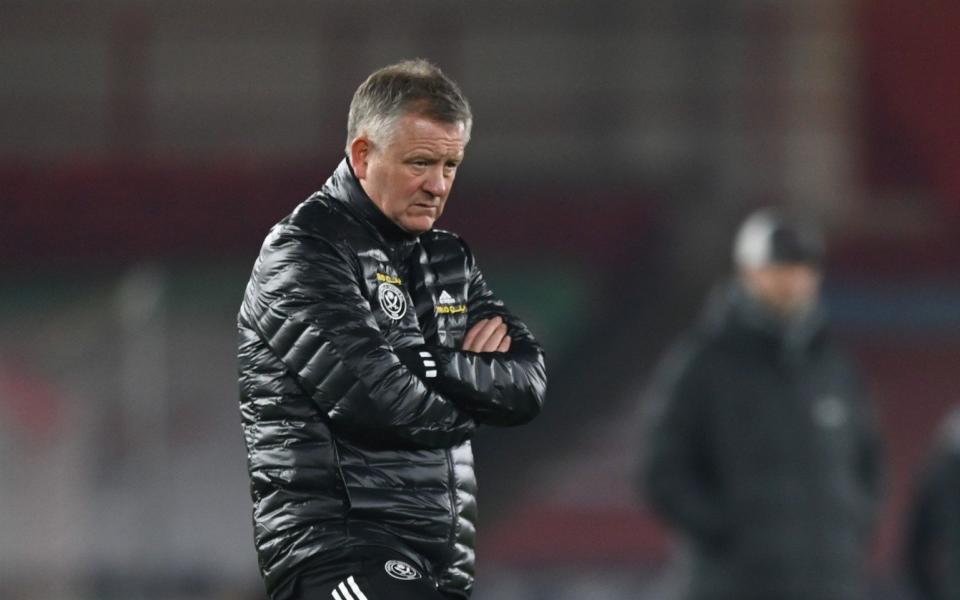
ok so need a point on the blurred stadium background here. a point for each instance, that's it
(147, 146)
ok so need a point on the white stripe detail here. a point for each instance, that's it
(431, 374)
(336, 595)
(356, 588)
(345, 591)
(425, 354)
(429, 363)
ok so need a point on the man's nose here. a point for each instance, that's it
(435, 183)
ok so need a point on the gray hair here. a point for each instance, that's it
(412, 86)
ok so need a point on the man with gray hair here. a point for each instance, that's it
(761, 448)
(370, 349)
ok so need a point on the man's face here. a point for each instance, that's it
(410, 175)
(788, 290)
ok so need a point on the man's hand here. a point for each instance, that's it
(488, 335)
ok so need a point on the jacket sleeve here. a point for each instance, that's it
(308, 307)
(676, 474)
(496, 388)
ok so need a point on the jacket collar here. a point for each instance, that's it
(732, 309)
(345, 186)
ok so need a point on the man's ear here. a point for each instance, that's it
(359, 155)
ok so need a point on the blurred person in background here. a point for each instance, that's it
(933, 535)
(761, 448)
(370, 350)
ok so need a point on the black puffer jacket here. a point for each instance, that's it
(347, 446)
(762, 452)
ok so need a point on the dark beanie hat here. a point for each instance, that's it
(771, 237)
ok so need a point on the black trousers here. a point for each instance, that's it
(376, 575)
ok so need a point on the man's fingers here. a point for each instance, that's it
(478, 338)
(471, 335)
(475, 337)
(505, 344)
(496, 337)
(483, 334)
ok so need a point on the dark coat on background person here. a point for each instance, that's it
(347, 445)
(933, 535)
(762, 453)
